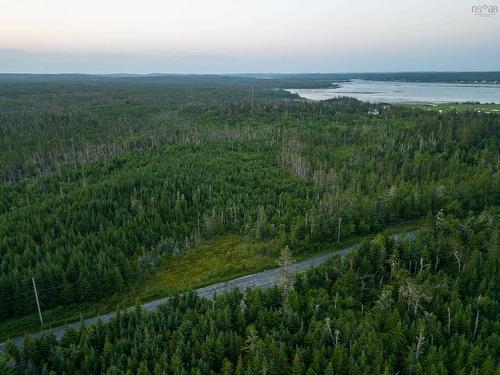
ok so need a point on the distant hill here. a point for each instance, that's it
(300, 80)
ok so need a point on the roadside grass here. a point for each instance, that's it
(219, 259)
(457, 107)
(223, 258)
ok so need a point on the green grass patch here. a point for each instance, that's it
(223, 258)
(458, 107)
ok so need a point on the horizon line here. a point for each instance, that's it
(248, 73)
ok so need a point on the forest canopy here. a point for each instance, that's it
(104, 180)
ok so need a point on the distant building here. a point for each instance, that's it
(374, 112)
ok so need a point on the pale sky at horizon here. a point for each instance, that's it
(231, 36)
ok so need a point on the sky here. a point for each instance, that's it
(243, 36)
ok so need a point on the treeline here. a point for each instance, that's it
(420, 306)
(451, 77)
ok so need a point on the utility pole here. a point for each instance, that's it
(37, 302)
(338, 232)
(252, 98)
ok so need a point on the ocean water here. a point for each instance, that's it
(407, 92)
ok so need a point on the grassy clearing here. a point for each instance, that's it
(223, 258)
(219, 259)
(458, 107)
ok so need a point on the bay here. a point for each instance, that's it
(407, 92)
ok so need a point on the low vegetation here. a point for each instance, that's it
(484, 108)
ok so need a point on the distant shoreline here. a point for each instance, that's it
(421, 93)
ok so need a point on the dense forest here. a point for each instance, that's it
(423, 306)
(104, 180)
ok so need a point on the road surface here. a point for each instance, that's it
(264, 279)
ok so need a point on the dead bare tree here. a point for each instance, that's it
(439, 219)
(458, 260)
(413, 295)
(420, 343)
(328, 329)
(385, 300)
(436, 263)
(243, 305)
(286, 264)
(476, 323)
(394, 264)
(449, 320)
